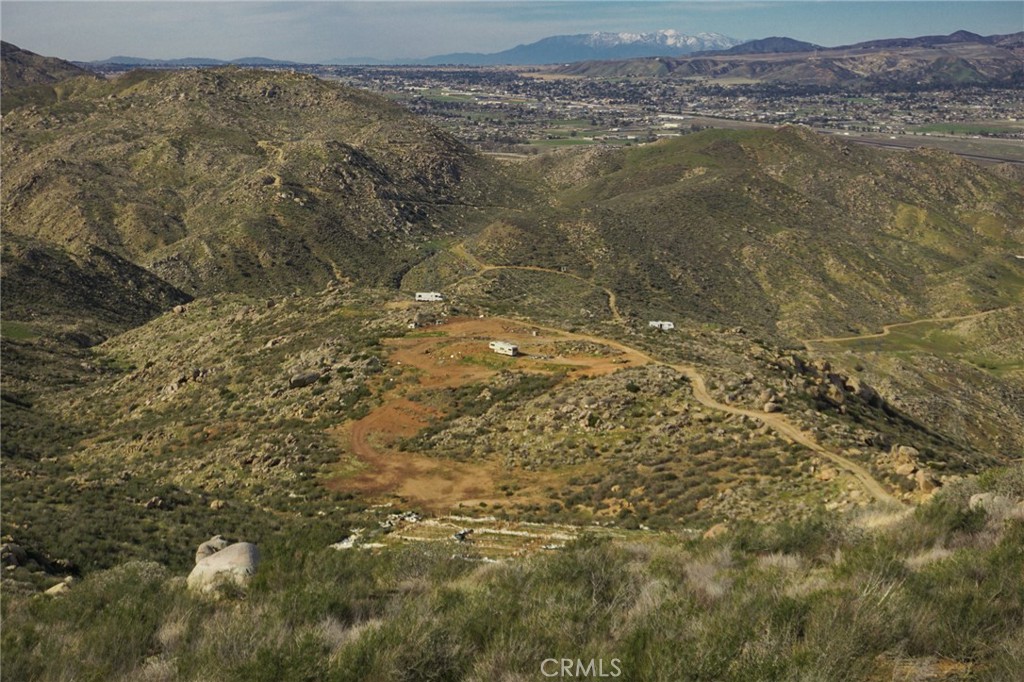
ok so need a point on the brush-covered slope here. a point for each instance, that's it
(28, 77)
(50, 285)
(787, 231)
(240, 180)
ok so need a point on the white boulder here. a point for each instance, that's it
(235, 564)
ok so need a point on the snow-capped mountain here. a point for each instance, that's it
(666, 38)
(595, 46)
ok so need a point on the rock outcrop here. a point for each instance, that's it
(219, 563)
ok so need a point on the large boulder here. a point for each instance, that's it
(303, 379)
(12, 554)
(233, 565)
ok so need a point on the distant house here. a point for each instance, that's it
(429, 296)
(504, 348)
(663, 325)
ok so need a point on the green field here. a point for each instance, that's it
(976, 128)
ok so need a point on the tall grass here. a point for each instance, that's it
(813, 600)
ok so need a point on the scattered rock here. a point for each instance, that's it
(350, 541)
(772, 407)
(906, 469)
(827, 474)
(926, 481)
(59, 589)
(12, 554)
(393, 520)
(906, 452)
(303, 379)
(217, 504)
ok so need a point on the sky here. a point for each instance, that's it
(295, 30)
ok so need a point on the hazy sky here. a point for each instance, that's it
(320, 31)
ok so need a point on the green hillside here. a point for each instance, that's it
(787, 231)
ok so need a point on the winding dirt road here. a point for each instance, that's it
(887, 328)
(774, 421)
(438, 485)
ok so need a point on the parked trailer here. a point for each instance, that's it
(504, 348)
(429, 296)
(663, 325)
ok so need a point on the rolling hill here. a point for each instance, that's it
(21, 68)
(789, 231)
(238, 179)
(208, 329)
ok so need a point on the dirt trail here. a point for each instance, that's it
(481, 267)
(775, 421)
(440, 483)
(887, 328)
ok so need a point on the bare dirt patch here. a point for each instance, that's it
(457, 358)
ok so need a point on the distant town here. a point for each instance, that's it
(525, 110)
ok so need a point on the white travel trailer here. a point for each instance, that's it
(663, 325)
(504, 348)
(429, 296)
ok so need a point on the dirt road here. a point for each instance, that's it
(440, 361)
(887, 328)
(774, 421)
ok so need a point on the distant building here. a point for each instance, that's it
(663, 325)
(429, 296)
(504, 348)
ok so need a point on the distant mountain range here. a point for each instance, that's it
(961, 58)
(551, 50)
(704, 55)
(1010, 40)
(191, 61)
(587, 46)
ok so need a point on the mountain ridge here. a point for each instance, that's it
(22, 68)
(552, 49)
(597, 45)
(936, 61)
